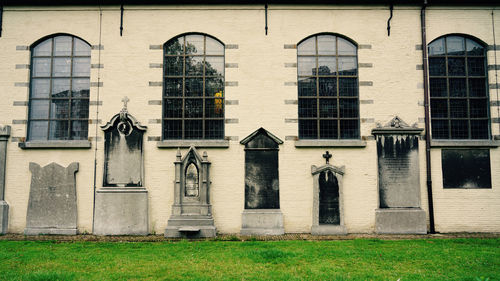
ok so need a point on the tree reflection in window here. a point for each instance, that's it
(193, 97)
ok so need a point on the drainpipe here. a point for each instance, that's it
(427, 120)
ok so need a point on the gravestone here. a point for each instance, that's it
(121, 206)
(262, 215)
(4, 207)
(328, 207)
(398, 179)
(466, 168)
(191, 212)
(52, 203)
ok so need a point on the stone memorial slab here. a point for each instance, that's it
(52, 207)
(466, 168)
(4, 206)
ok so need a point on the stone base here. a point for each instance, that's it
(121, 211)
(4, 217)
(262, 222)
(400, 221)
(49, 230)
(326, 229)
(190, 226)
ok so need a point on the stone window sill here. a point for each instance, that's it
(330, 143)
(55, 144)
(195, 143)
(465, 143)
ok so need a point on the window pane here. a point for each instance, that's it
(307, 47)
(348, 66)
(81, 87)
(346, 47)
(59, 109)
(194, 87)
(459, 129)
(38, 130)
(327, 65)
(172, 108)
(40, 88)
(194, 66)
(327, 86)
(194, 44)
(214, 66)
(175, 47)
(307, 87)
(214, 47)
(458, 87)
(439, 108)
(60, 88)
(477, 87)
(328, 129)
(214, 108)
(214, 87)
(62, 67)
(308, 108)
(41, 67)
(214, 129)
(474, 48)
(349, 129)
(172, 129)
(39, 109)
(62, 46)
(456, 66)
(440, 129)
(193, 129)
(478, 108)
(307, 66)
(479, 129)
(193, 108)
(455, 45)
(43, 49)
(79, 130)
(458, 108)
(59, 130)
(348, 87)
(348, 108)
(328, 108)
(326, 45)
(174, 66)
(81, 48)
(436, 47)
(173, 87)
(475, 66)
(80, 108)
(438, 87)
(81, 67)
(437, 66)
(308, 129)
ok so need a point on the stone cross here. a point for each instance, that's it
(125, 100)
(327, 156)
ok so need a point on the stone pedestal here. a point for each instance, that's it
(4, 217)
(121, 211)
(400, 221)
(262, 222)
(193, 226)
(4, 207)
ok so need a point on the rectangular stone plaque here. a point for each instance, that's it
(466, 168)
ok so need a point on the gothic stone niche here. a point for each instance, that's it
(52, 202)
(4, 207)
(262, 215)
(191, 211)
(328, 207)
(121, 205)
(398, 179)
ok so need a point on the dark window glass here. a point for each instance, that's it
(328, 88)
(466, 168)
(458, 88)
(59, 91)
(193, 88)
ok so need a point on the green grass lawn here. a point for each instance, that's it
(359, 259)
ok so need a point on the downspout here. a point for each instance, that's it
(427, 120)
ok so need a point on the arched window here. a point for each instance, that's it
(193, 93)
(458, 88)
(59, 89)
(328, 88)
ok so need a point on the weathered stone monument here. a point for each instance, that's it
(328, 199)
(191, 211)
(4, 207)
(398, 179)
(52, 202)
(262, 214)
(121, 205)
